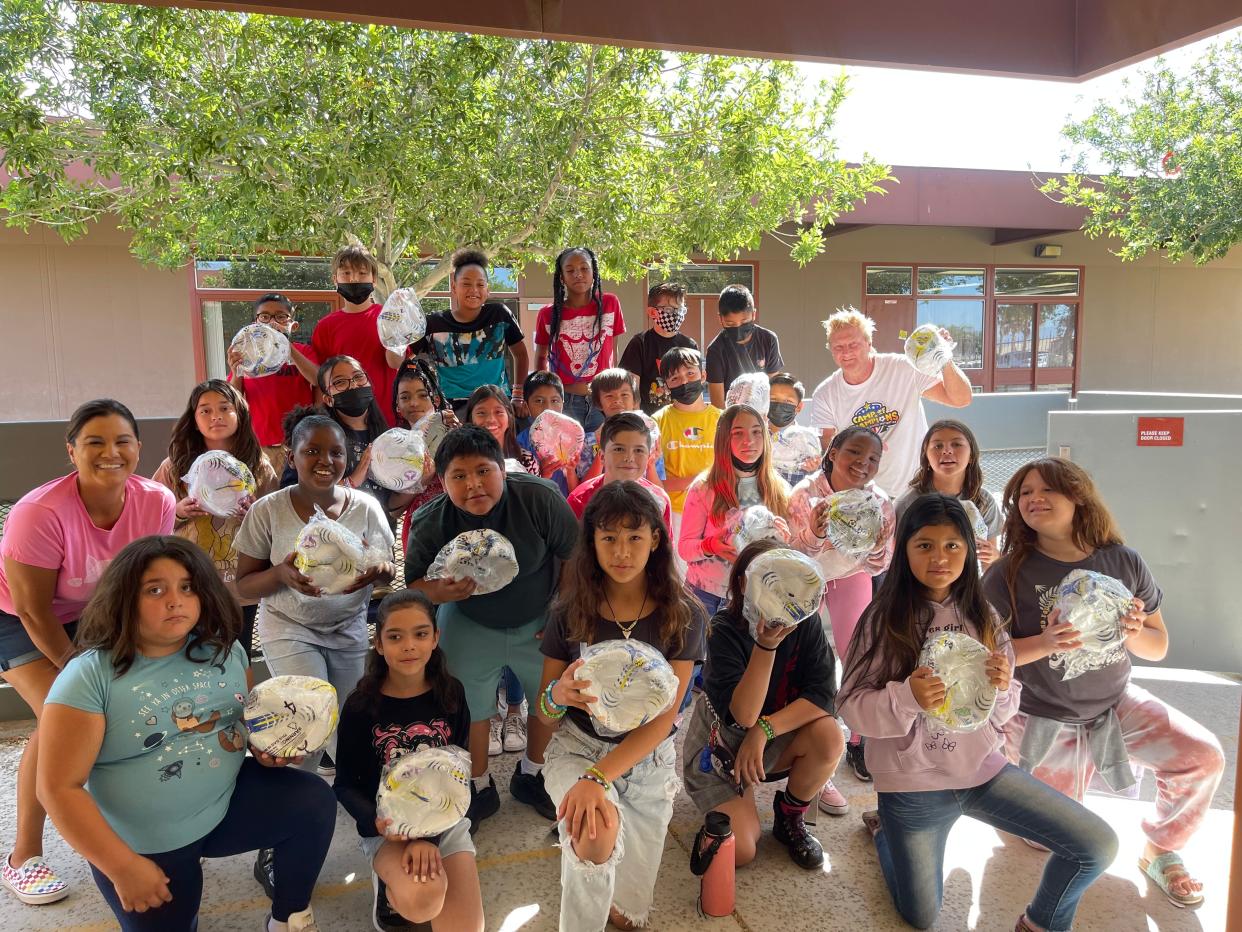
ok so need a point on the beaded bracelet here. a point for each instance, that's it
(595, 779)
(594, 773)
(547, 704)
(766, 725)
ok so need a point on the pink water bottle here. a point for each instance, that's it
(713, 860)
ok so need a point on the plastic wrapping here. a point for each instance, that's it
(424, 792)
(928, 350)
(975, 516)
(289, 716)
(556, 437)
(959, 661)
(219, 482)
(331, 554)
(433, 430)
(653, 429)
(398, 457)
(782, 587)
(754, 523)
(632, 682)
(750, 388)
(483, 555)
(263, 350)
(855, 521)
(401, 320)
(1094, 604)
(796, 449)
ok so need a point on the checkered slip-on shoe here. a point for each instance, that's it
(34, 882)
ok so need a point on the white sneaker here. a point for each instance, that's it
(495, 741)
(514, 731)
(297, 922)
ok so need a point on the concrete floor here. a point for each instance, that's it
(987, 881)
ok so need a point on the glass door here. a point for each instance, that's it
(1015, 361)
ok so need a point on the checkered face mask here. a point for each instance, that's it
(669, 320)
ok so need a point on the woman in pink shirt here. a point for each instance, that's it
(57, 541)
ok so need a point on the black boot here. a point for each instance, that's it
(789, 828)
(265, 871)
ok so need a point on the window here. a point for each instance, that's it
(704, 278)
(951, 281)
(1056, 336)
(1037, 282)
(893, 279)
(283, 274)
(963, 319)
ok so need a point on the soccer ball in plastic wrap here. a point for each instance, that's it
(855, 521)
(424, 792)
(483, 555)
(755, 523)
(975, 517)
(556, 437)
(959, 661)
(631, 681)
(1094, 604)
(290, 716)
(401, 320)
(219, 482)
(329, 553)
(782, 587)
(928, 349)
(397, 459)
(795, 448)
(263, 350)
(750, 388)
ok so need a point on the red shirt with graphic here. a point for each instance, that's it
(581, 350)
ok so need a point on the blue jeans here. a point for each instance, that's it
(512, 687)
(340, 666)
(915, 826)
(299, 840)
(579, 407)
(711, 603)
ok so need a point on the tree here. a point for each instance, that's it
(1174, 157)
(214, 134)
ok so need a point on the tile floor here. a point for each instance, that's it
(987, 878)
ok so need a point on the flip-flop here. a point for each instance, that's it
(871, 821)
(1157, 869)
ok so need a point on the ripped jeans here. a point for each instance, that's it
(644, 801)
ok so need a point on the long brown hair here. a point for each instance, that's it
(892, 629)
(481, 394)
(187, 443)
(447, 691)
(972, 482)
(722, 477)
(1093, 525)
(625, 504)
(110, 620)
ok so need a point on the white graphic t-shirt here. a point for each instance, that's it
(888, 404)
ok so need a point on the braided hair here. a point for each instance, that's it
(558, 294)
(421, 368)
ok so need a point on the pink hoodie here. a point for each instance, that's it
(905, 750)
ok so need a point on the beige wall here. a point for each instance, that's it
(83, 320)
(87, 320)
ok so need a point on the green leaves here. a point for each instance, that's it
(1174, 152)
(224, 134)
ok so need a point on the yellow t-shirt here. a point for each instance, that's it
(687, 440)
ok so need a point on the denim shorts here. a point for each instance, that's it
(454, 841)
(16, 648)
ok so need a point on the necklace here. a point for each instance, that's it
(627, 628)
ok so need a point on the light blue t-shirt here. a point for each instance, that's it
(173, 742)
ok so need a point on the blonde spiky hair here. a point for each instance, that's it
(848, 316)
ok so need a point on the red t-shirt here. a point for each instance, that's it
(273, 396)
(580, 353)
(580, 497)
(356, 335)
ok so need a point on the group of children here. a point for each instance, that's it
(630, 540)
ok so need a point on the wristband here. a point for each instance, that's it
(594, 773)
(595, 779)
(549, 706)
(761, 647)
(766, 725)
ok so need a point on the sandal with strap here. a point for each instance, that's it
(1159, 868)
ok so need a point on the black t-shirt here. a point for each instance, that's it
(804, 668)
(368, 740)
(727, 360)
(642, 357)
(556, 645)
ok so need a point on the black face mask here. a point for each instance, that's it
(355, 292)
(687, 392)
(782, 413)
(740, 333)
(354, 401)
(741, 466)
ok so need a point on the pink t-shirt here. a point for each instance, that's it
(357, 335)
(580, 352)
(582, 495)
(49, 528)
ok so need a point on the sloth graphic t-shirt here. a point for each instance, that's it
(582, 349)
(887, 404)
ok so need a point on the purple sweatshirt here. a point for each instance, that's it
(906, 751)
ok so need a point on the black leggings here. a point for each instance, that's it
(282, 808)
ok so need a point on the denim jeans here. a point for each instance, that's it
(579, 407)
(512, 686)
(299, 842)
(711, 603)
(340, 667)
(644, 800)
(915, 826)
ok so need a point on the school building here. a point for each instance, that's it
(1032, 302)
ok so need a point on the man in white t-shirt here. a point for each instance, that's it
(882, 392)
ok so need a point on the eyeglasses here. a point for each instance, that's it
(671, 308)
(265, 318)
(357, 380)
